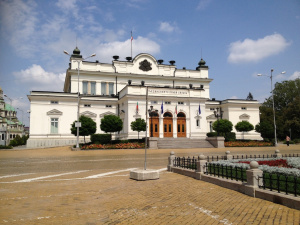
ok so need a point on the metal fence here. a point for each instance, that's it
(187, 163)
(228, 172)
(280, 183)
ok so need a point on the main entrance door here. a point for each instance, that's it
(168, 125)
(154, 125)
(181, 125)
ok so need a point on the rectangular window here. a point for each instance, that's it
(153, 102)
(93, 88)
(155, 127)
(168, 103)
(54, 102)
(111, 88)
(54, 125)
(182, 127)
(84, 87)
(178, 129)
(198, 123)
(180, 103)
(3, 137)
(244, 108)
(108, 106)
(170, 128)
(103, 88)
(165, 127)
(87, 105)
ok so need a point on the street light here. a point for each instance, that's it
(271, 77)
(218, 114)
(8, 131)
(22, 119)
(77, 124)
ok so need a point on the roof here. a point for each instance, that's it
(8, 107)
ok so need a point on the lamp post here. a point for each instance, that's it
(218, 114)
(271, 77)
(151, 114)
(22, 120)
(8, 131)
(77, 124)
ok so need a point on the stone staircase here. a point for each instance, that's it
(169, 143)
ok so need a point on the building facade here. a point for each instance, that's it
(179, 98)
(10, 126)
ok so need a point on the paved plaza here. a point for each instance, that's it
(60, 186)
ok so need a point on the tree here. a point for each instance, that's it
(138, 125)
(244, 126)
(250, 96)
(266, 129)
(88, 127)
(222, 126)
(286, 104)
(111, 123)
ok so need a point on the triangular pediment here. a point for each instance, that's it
(54, 112)
(89, 114)
(106, 113)
(211, 117)
(244, 116)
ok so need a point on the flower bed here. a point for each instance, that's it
(247, 144)
(114, 146)
(267, 165)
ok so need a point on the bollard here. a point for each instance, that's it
(253, 181)
(201, 164)
(171, 161)
(278, 154)
(228, 156)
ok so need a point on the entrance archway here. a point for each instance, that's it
(154, 125)
(181, 125)
(168, 124)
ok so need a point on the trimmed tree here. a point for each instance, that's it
(138, 125)
(222, 126)
(88, 127)
(111, 123)
(244, 126)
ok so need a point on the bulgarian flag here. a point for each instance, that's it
(176, 110)
(137, 107)
(162, 107)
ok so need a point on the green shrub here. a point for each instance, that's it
(100, 138)
(212, 134)
(230, 136)
(13, 142)
(5, 147)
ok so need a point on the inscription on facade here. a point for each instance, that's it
(167, 92)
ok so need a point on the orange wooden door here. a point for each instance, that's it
(168, 127)
(154, 127)
(181, 127)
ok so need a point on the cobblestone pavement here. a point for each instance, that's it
(58, 186)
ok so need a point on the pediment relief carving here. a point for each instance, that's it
(89, 114)
(54, 112)
(244, 116)
(106, 113)
(212, 116)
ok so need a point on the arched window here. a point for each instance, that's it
(181, 114)
(168, 114)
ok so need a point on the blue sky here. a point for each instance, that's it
(237, 39)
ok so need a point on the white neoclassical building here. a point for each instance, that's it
(180, 99)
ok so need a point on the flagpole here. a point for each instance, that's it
(145, 165)
(131, 44)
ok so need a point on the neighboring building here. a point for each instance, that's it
(180, 96)
(10, 126)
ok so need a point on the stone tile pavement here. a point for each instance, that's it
(112, 198)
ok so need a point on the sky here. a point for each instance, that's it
(237, 39)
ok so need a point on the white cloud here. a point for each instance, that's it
(295, 75)
(40, 80)
(68, 5)
(105, 51)
(203, 4)
(166, 27)
(254, 50)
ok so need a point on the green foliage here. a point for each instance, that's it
(222, 126)
(230, 136)
(266, 129)
(287, 105)
(138, 125)
(244, 126)
(88, 127)
(18, 140)
(100, 138)
(111, 123)
(212, 134)
(5, 147)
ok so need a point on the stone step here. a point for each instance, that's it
(169, 143)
